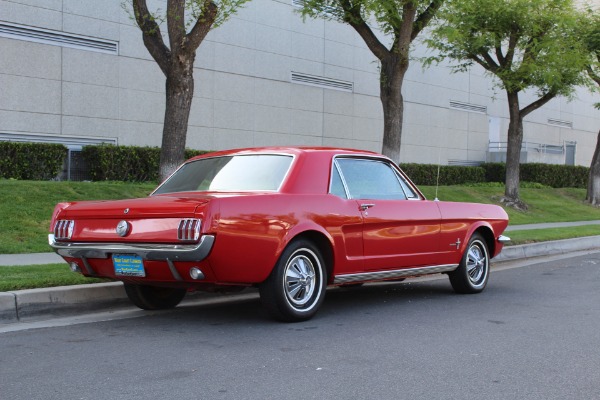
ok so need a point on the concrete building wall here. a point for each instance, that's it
(244, 95)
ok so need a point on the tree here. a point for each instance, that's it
(524, 44)
(591, 26)
(401, 21)
(176, 61)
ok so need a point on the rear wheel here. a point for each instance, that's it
(154, 297)
(472, 274)
(296, 287)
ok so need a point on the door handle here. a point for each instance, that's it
(366, 206)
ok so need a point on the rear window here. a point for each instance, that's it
(257, 172)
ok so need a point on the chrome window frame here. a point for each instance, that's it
(344, 184)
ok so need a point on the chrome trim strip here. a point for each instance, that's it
(392, 274)
(147, 251)
(503, 239)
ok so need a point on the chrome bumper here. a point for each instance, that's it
(503, 239)
(154, 252)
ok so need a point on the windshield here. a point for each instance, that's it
(229, 174)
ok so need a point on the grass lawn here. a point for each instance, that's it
(41, 276)
(26, 208)
(544, 235)
(545, 205)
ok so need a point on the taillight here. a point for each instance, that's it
(64, 229)
(189, 229)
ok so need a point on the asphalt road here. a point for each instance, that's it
(533, 334)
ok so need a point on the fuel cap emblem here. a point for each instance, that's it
(123, 228)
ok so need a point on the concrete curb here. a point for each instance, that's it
(45, 303)
(41, 304)
(548, 248)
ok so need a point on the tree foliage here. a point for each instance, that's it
(524, 45)
(590, 27)
(401, 21)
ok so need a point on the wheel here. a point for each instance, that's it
(296, 287)
(154, 297)
(472, 274)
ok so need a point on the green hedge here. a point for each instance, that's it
(125, 163)
(495, 172)
(557, 176)
(426, 174)
(553, 175)
(44, 161)
(31, 161)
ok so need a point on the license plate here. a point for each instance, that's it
(128, 265)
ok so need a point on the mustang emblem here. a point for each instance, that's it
(123, 228)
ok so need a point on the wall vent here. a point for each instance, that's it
(57, 38)
(322, 82)
(558, 122)
(459, 105)
(465, 163)
(70, 141)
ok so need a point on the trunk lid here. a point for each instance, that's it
(153, 219)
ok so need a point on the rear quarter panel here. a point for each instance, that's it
(252, 232)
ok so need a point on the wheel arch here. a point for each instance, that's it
(488, 235)
(324, 245)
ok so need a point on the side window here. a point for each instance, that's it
(337, 186)
(371, 179)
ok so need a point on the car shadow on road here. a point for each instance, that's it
(339, 301)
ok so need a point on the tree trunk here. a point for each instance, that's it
(513, 150)
(179, 95)
(393, 69)
(593, 191)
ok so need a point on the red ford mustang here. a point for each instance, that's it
(288, 220)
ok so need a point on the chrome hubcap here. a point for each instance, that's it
(299, 282)
(476, 264)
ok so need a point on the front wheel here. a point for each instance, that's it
(154, 297)
(472, 274)
(296, 287)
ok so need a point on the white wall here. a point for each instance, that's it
(244, 96)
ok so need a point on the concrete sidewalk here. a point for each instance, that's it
(550, 225)
(30, 259)
(42, 304)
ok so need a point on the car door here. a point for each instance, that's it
(400, 229)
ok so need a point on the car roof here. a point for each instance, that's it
(293, 150)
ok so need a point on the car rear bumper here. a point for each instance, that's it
(147, 251)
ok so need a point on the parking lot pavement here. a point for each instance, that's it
(48, 303)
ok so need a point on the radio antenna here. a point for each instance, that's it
(437, 184)
(437, 181)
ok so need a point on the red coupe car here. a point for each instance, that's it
(290, 221)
